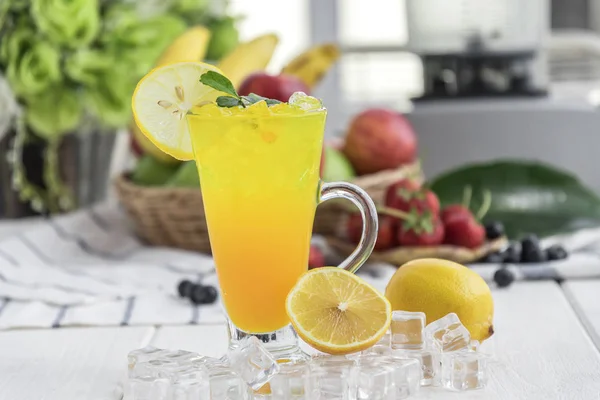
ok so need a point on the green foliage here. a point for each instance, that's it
(88, 54)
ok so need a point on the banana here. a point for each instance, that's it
(191, 45)
(312, 65)
(248, 57)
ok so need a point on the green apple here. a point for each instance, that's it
(186, 176)
(337, 166)
(151, 172)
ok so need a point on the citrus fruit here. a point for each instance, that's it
(191, 45)
(162, 99)
(438, 287)
(337, 312)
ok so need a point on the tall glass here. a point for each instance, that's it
(259, 174)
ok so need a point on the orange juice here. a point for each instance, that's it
(259, 174)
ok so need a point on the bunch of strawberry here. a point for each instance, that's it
(411, 216)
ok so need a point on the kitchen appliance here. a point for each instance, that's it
(480, 47)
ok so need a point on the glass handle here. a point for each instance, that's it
(368, 212)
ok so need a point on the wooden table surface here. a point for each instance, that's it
(547, 340)
(547, 344)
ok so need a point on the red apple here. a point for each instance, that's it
(380, 139)
(278, 87)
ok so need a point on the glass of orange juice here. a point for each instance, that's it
(259, 174)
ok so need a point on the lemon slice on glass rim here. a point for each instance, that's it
(162, 99)
(337, 312)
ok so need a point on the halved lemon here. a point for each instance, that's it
(162, 99)
(337, 312)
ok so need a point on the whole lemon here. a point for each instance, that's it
(438, 287)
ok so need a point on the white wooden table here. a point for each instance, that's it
(547, 344)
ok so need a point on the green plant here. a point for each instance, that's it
(73, 61)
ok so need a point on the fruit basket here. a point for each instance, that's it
(170, 217)
(401, 255)
(331, 216)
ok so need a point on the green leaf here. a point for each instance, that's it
(254, 98)
(527, 197)
(219, 82)
(228, 101)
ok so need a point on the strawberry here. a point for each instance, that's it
(386, 235)
(400, 192)
(315, 258)
(453, 210)
(423, 230)
(464, 231)
(406, 195)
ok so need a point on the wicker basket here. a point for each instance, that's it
(401, 255)
(331, 215)
(174, 217)
(170, 217)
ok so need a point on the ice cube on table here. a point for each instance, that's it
(429, 361)
(226, 384)
(305, 102)
(292, 382)
(333, 377)
(474, 345)
(447, 334)
(407, 330)
(253, 362)
(158, 374)
(405, 374)
(464, 370)
(375, 381)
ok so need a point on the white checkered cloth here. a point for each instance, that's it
(89, 269)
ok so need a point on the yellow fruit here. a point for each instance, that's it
(162, 99)
(438, 287)
(337, 312)
(191, 45)
(312, 65)
(248, 58)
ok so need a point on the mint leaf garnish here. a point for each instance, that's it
(228, 101)
(254, 98)
(222, 84)
(219, 82)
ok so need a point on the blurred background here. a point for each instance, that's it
(477, 81)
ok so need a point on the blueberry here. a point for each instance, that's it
(210, 294)
(185, 288)
(493, 258)
(512, 254)
(533, 255)
(199, 294)
(504, 277)
(494, 230)
(556, 252)
(530, 243)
